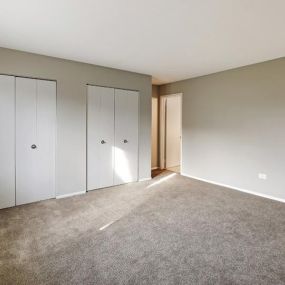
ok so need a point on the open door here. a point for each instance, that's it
(170, 132)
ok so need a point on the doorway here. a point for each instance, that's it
(171, 132)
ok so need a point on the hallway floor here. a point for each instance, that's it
(174, 169)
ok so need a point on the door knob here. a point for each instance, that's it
(125, 141)
(33, 146)
(102, 142)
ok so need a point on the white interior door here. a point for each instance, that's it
(173, 130)
(126, 136)
(35, 140)
(7, 141)
(100, 137)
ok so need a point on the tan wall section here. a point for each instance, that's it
(233, 127)
(72, 78)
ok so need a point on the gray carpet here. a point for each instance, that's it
(178, 231)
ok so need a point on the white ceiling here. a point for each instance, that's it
(168, 39)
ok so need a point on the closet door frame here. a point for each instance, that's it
(138, 146)
(14, 131)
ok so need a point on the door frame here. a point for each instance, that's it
(162, 129)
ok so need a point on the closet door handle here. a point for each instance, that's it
(125, 141)
(33, 146)
(102, 142)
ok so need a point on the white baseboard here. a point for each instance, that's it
(154, 168)
(235, 188)
(145, 179)
(70, 195)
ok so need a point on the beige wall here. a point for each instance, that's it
(233, 127)
(72, 78)
(154, 125)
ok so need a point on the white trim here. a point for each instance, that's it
(145, 179)
(70, 195)
(162, 102)
(154, 168)
(235, 188)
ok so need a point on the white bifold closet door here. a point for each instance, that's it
(35, 140)
(7, 141)
(100, 137)
(112, 137)
(126, 136)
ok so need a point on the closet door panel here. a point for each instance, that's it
(107, 134)
(126, 136)
(46, 131)
(26, 157)
(7, 141)
(100, 137)
(35, 140)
